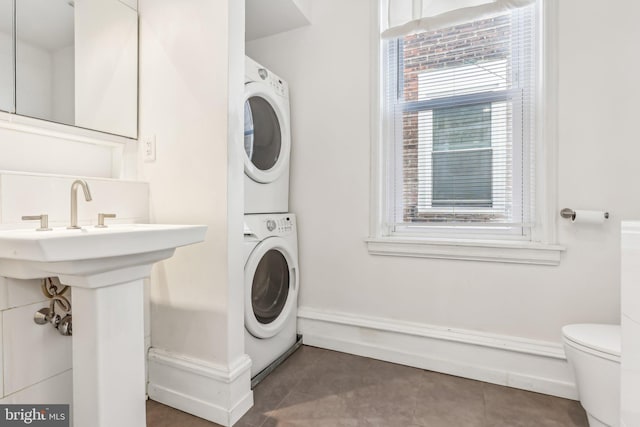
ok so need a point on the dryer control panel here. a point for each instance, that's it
(265, 225)
(258, 73)
(280, 225)
(275, 82)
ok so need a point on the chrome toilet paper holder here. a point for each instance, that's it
(571, 214)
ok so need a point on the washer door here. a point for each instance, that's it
(267, 141)
(271, 287)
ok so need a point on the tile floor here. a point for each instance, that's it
(317, 387)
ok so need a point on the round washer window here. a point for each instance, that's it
(262, 138)
(270, 287)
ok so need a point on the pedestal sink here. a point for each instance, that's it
(105, 267)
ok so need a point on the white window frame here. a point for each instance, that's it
(541, 248)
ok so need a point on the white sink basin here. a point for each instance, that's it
(29, 254)
(106, 268)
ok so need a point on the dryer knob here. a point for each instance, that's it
(271, 225)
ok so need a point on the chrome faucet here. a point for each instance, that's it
(74, 200)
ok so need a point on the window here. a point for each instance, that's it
(461, 104)
(461, 137)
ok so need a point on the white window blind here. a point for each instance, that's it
(459, 114)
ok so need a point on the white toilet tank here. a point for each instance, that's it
(593, 350)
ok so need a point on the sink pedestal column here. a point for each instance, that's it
(108, 350)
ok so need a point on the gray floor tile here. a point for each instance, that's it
(275, 387)
(159, 415)
(331, 373)
(445, 400)
(509, 407)
(323, 388)
(300, 409)
(391, 421)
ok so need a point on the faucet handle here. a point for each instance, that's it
(101, 217)
(44, 221)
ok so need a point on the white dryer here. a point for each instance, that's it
(271, 287)
(267, 140)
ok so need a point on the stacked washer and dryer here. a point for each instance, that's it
(270, 234)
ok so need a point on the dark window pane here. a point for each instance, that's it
(462, 178)
(462, 156)
(464, 127)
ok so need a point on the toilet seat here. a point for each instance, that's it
(599, 340)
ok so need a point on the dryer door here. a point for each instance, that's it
(267, 140)
(271, 287)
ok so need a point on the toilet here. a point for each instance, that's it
(593, 351)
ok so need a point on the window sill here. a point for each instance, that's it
(469, 250)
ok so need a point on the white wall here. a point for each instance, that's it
(191, 83)
(188, 85)
(26, 151)
(276, 16)
(106, 83)
(328, 67)
(186, 111)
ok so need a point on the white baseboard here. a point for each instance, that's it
(211, 391)
(526, 364)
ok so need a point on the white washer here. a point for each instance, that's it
(267, 140)
(271, 287)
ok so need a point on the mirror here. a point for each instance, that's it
(76, 63)
(6, 55)
(45, 60)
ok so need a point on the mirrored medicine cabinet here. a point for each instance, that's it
(73, 62)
